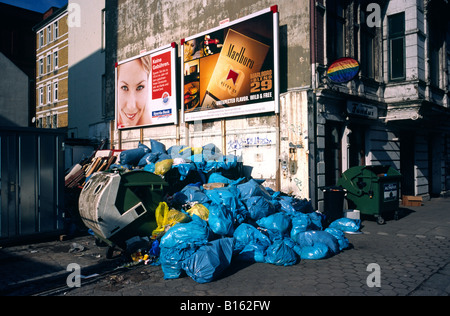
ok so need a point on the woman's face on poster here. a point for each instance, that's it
(133, 91)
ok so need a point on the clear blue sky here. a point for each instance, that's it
(36, 5)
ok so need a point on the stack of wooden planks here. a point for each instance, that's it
(100, 161)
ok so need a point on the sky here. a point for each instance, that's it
(36, 5)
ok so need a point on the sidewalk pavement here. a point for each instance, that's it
(410, 256)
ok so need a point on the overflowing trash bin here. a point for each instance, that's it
(373, 190)
(120, 205)
(190, 211)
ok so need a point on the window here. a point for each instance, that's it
(41, 66)
(335, 30)
(55, 30)
(40, 122)
(367, 46)
(55, 121)
(41, 39)
(396, 24)
(41, 96)
(55, 60)
(49, 34)
(55, 91)
(49, 63)
(48, 122)
(49, 93)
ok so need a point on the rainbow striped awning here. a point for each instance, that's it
(343, 70)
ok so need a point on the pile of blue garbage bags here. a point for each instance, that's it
(202, 229)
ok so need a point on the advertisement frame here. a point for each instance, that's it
(238, 110)
(172, 99)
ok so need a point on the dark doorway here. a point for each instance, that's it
(407, 162)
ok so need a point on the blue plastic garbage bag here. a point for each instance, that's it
(228, 197)
(171, 259)
(259, 207)
(196, 231)
(316, 252)
(278, 223)
(217, 177)
(157, 147)
(316, 221)
(340, 236)
(293, 205)
(228, 162)
(245, 234)
(300, 223)
(184, 169)
(150, 167)
(210, 260)
(194, 194)
(148, 158)
(346, 224)
(311, 237)
(252, 188)
(252, 253)
(280, 254)
(220, 219)
(132, 156)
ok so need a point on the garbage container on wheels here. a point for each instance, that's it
(333, 202)
(373, 190)
(118, 206)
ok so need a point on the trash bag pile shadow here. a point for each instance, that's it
(211, 217)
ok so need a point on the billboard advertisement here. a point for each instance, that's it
(146, 89)
(233, 69)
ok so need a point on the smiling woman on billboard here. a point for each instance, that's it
(133, 85)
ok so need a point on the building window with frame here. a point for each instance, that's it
(49, 93)
(41, 96)
(49, 34)
(48, 123)
(335, 12)
(41, 67)
(55, 60)
(49, 63)
(41, 39)
(396, 25)
(55, 91)
(368, 35)
(55, 121)
(40, 122)
(55, 30)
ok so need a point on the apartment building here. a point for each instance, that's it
(396, 110)
(52, 47)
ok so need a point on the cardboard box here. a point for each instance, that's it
(410, 200)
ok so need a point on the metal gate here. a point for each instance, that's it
(31, 182)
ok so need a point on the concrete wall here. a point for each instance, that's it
(13, 95)
(260, 140)
(86, 67)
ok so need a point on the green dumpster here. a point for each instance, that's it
(373, 190)
(118, 206)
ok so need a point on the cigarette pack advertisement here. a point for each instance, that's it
(232, 70)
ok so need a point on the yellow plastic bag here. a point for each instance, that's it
(166, 218)
(162, 167)
(197, 150)
(200, 210)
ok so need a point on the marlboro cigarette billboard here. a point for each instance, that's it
(232, 70)
(146, 89)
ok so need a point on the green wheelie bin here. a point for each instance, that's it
(373, 190)
(120, 205)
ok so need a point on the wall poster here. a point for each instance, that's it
(233, 69)
(146, 89)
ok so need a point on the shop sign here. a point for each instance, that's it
(362, 110)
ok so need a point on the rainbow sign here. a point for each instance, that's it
(343, 70)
